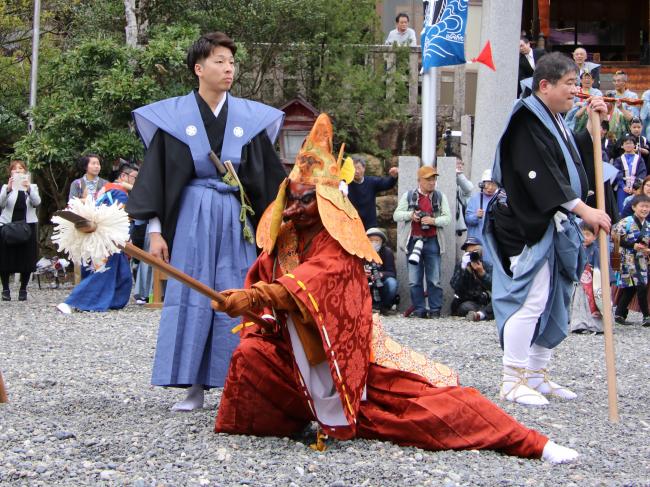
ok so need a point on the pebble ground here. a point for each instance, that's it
(82, 412)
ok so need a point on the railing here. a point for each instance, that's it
(275, 81)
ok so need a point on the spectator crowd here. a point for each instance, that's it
(424, 210)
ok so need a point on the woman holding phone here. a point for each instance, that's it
(18, 202)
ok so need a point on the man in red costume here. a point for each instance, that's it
(322, 358)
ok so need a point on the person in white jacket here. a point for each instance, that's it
(18, 202)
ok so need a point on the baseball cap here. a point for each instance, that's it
(426, 172)
(470, 241)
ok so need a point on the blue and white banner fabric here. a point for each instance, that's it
(443, 34)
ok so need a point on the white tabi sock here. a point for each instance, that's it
(514, 388)
(193, 400)
(555, 453)
(537, 374)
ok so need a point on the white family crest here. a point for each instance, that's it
(190, 130)
(238, 132)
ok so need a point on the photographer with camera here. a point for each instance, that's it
(381, 277)
(472, 284)
(475, 212)
(427, 210)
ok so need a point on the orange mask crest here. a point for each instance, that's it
(317, 166)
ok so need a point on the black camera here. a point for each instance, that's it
(422, 214)
(474, 256)
(375, 275)
(374, 281)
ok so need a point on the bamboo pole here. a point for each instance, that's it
(603, 243)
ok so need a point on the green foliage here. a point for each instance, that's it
(86, 101)
(90, 81)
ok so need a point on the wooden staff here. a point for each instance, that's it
(86, 226)
(603, 242)
(3, 391)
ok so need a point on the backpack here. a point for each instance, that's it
(412, 198)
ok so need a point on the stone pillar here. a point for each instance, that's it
(447, 185)
(459, 93)
(408, 179)
(466, 141)
(497, 90)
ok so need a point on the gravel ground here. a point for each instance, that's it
(82, 412)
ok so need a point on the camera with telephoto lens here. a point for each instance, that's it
(374, 281)
(422, 214)
(375, 275)
(474, 256)
(416, 253)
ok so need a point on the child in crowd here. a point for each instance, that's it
(631, 167)
(110, 286)
(585, 316)
(632, 278)
(642, 146)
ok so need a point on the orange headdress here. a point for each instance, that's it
(316, 165)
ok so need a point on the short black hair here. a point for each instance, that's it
(636, 120)
(128, 167)
(525, 39)
(640, 198)
(204, 45)
(400, 15)
(628, 138)
(552, 67)
(586, 227)
(85, 159)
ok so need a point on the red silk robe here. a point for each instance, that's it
(265, 394)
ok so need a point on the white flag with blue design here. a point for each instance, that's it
(443, 34)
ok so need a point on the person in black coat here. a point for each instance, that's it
(528, 58)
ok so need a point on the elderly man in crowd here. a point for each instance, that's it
(402, 34)
(584, 66)
(363, 190)
(622, 113)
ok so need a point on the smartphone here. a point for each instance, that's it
(19, 179)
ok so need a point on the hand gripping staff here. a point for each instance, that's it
(603, 242)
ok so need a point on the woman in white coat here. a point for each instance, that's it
(18, 202)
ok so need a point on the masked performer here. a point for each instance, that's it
(533, 237)
(198, 211)
(319, 359)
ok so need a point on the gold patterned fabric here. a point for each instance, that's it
(388, 353)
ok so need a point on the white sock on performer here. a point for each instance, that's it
(517, 336)
(555, 453)
(193, 400)
(538, 360)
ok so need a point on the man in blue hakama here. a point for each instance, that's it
(199, 220)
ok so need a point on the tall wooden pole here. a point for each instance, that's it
(603, 243)
(3, 391)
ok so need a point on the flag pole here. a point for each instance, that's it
(429, 101)
(603, 241)
(36, 36)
